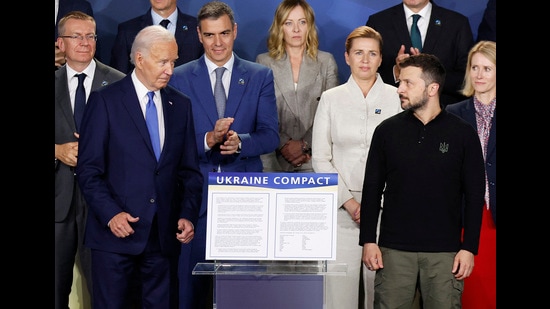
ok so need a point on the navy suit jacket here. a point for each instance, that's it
(66, 6)
(251, 101)
(467, 111)
(189, 46)
(449, 37)
(65, 128)
(117, 169)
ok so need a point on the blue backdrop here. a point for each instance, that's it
(334, 18)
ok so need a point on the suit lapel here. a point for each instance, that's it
(239, 82)
(282, 73)
(167, 108)
(63, 98)
(147, 19)
(434, 30)
(400, 25)
(99, 76)
(492, 145)
(307, 85)
(201, 83)
(469, 115)
(182, 29)
(131, 102)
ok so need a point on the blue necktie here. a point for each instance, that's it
(219, 92)
(79, 100)
(415, 33)
(151, 118)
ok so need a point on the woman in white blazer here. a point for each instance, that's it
(343, 126)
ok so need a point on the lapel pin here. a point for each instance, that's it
(241, 81)
(170, 102)
(104, 83)
(378, 111)
(184, 28)
(438, 22)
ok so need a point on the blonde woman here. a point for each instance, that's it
(344, 123)
(301, 72)
(480, 110)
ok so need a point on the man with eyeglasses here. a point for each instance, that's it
(62, 7)
(77, 40)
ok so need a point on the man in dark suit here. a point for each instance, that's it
(446, 34)
(70, 208)
(181, 25)
(487, 29)
(62, 7)
(231, 143)
(143, 204)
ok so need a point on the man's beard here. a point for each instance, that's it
(413, 106)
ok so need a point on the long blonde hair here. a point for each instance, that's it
(275, 43)
(487, 49)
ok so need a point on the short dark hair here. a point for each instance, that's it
(433, 70)
(214, 10)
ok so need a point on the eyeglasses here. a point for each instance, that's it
(88, 37)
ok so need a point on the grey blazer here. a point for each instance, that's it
(296, 108)
(64, 128)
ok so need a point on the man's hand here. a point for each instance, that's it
(231, 144)
(372, 256)
(120, 224)
(187, 231)
(463, 264)
(401, 55)
(219, 133)
(68, 152)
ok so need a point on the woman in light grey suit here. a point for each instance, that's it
(343, 126)
(301, 72)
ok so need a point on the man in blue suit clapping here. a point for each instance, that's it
(233, 142)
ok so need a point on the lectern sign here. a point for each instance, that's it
(271, 216)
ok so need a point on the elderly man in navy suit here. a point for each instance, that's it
(167, 14)
(232, 142)
(141, 180)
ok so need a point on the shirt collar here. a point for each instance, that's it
(212, 66)
(424, 13)
(89, 70)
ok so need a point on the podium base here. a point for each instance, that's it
(269, 284)
(269, 291)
